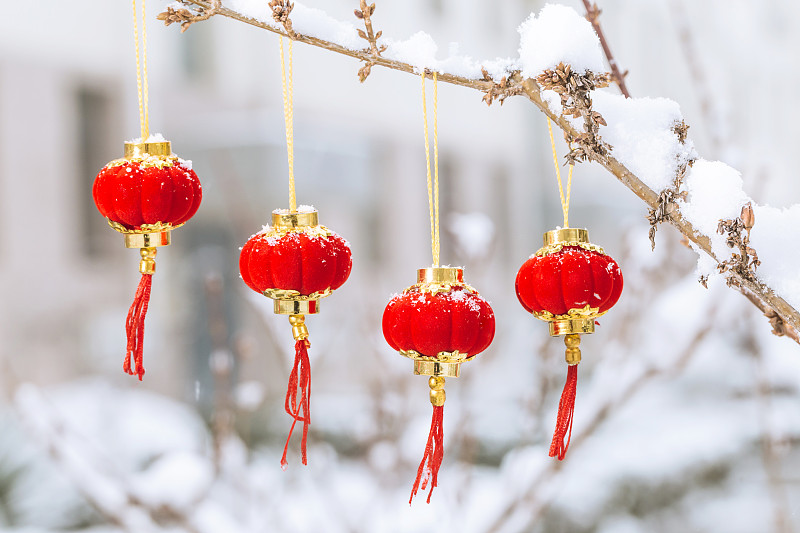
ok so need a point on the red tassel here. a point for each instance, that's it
(566, 407)
(428, 470)
(300, 378)
(134, 326)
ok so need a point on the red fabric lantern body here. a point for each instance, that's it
(296, 262)
(569, 282)
(440, 322)
(144, 196)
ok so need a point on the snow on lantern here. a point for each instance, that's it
(568, 282)
(145, 195)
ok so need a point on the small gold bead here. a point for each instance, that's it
(573, 356)
(147, 265)
(436, 383)
(299, 329)
(147, 253)
(437, 397)
(572, 340)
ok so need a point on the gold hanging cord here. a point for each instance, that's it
(141, 70)
(564, 201)
(288, 116)
(433, 188)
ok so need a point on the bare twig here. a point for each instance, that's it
(281, 9)
(576, 101)
(365, 14)
(186, 18)
(701, 86)
(738, 236)
(667, 198)
(499, 90)
(592, 14)
(779, 327)
(531, 90)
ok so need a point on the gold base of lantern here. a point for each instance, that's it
(446, 364)
(296, 307)
(148, 240)
(288, 302)
(434, 368)
(570, 326)
(147, 236)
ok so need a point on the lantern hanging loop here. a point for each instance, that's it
(433, 188)
(287, 87)
(141, 69)
(564, 200)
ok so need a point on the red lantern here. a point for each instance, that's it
(296, 262)
(440, 322)
(145, 195)
(569, 282)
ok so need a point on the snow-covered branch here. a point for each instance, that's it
(641, 141)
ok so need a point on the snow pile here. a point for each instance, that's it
(420, 49)
(714, 193)
(558, 34)
(641, 133)
(253, 9)
(317, 23)
(774, 237)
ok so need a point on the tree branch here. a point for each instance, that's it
(769, 301)
(592, 14)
